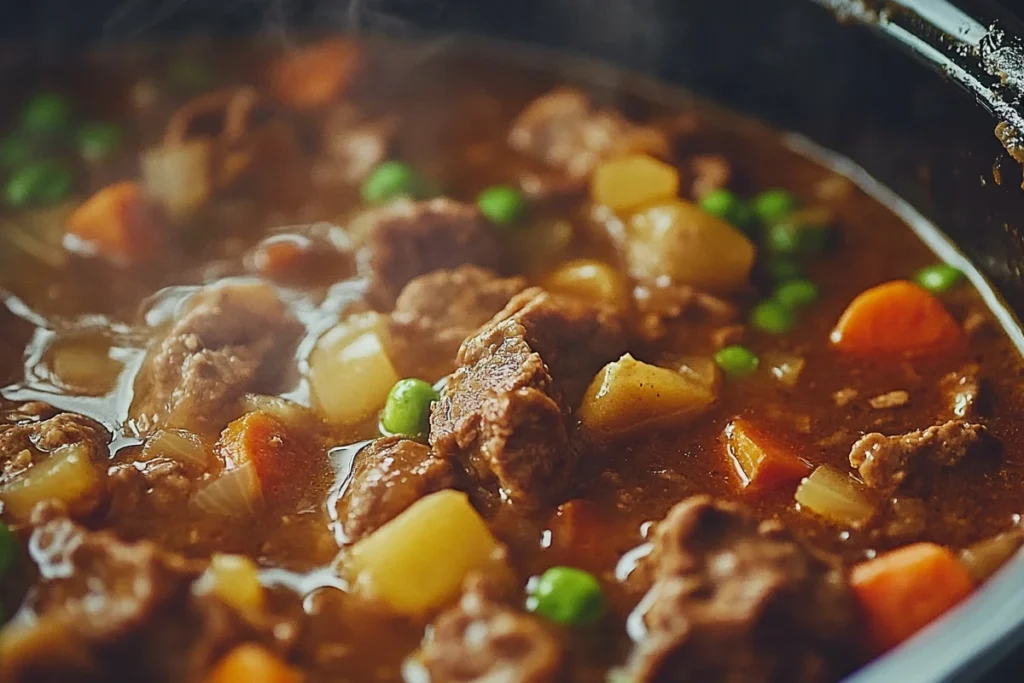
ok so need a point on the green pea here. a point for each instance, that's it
(97, 141)
(772, 317)
(727, 206)
(796, 294)
(407, 409)
(782, 270)
(42, 182)
(771, 205)
(46, 113)
(736, 361)
(390, 180)
(789, 239)
(15, 151)
(9, 551)
(566, 595)
(939, 278)
(502, 204)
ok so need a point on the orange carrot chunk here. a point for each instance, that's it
(280, 459)
(902, 591)
(897, 317)
(761, 459)
(312, 76)
(120, 223)
(250, 663)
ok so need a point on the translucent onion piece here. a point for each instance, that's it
(984, 558)
(785, 367)
(836, 496)
(179, 175)
(67, 474)
(288, 412)
(235, 493)
(178, 445)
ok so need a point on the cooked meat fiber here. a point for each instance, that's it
(405, 239)
(231, 339)
(24, 446)
(436, 312)
(389, 475)
(565, 130)
(505, 412)
(105, 605)
(885, 462)
(482, 640)
(735, 599)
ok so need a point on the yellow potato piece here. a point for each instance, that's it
(588, 279)
(678, 240)
(67, 474)
(235, 580)
(628, 396)
(350, 372)
(626, 183)
(416, 562)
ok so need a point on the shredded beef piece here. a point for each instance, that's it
(735, 599)
(964, 391)
(890, 399)
(405, 239)
(710, 172)
(389, 475)
(504, 413)
(232, 339)
(885, 462)
(482, 640)
(24, 445)
(436, 312)
(565, 130)
(104, 605)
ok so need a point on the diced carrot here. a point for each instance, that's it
(761, 459)
(896, 318)
(902, 591)
(120, 223)
(313, 76)
(281, 257)
(250, 663)
(280, 459)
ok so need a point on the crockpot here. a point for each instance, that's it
(912, 92)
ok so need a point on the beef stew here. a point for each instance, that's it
(337, 364)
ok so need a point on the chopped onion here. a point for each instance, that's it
(785, 367)
(836, 496)
(67, 474)
(985, 557)
(179, 445)
(288, 412)
(235, 493)
(179, 175)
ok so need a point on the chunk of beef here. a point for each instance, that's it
(232, 339)
(885, 462)
(405, 239)
(963, 391)
(736, 599)
(436, 312)
(504, 413)
(389, 475)
(565, 130)
(103, 605)
(482, 640)
(27, 445)
(658, 306)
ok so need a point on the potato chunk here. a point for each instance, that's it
(591, 280)
(629, 182)
(678, 240)
(416, 562)
(67, 474)
(628, 396)
(350, 372)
